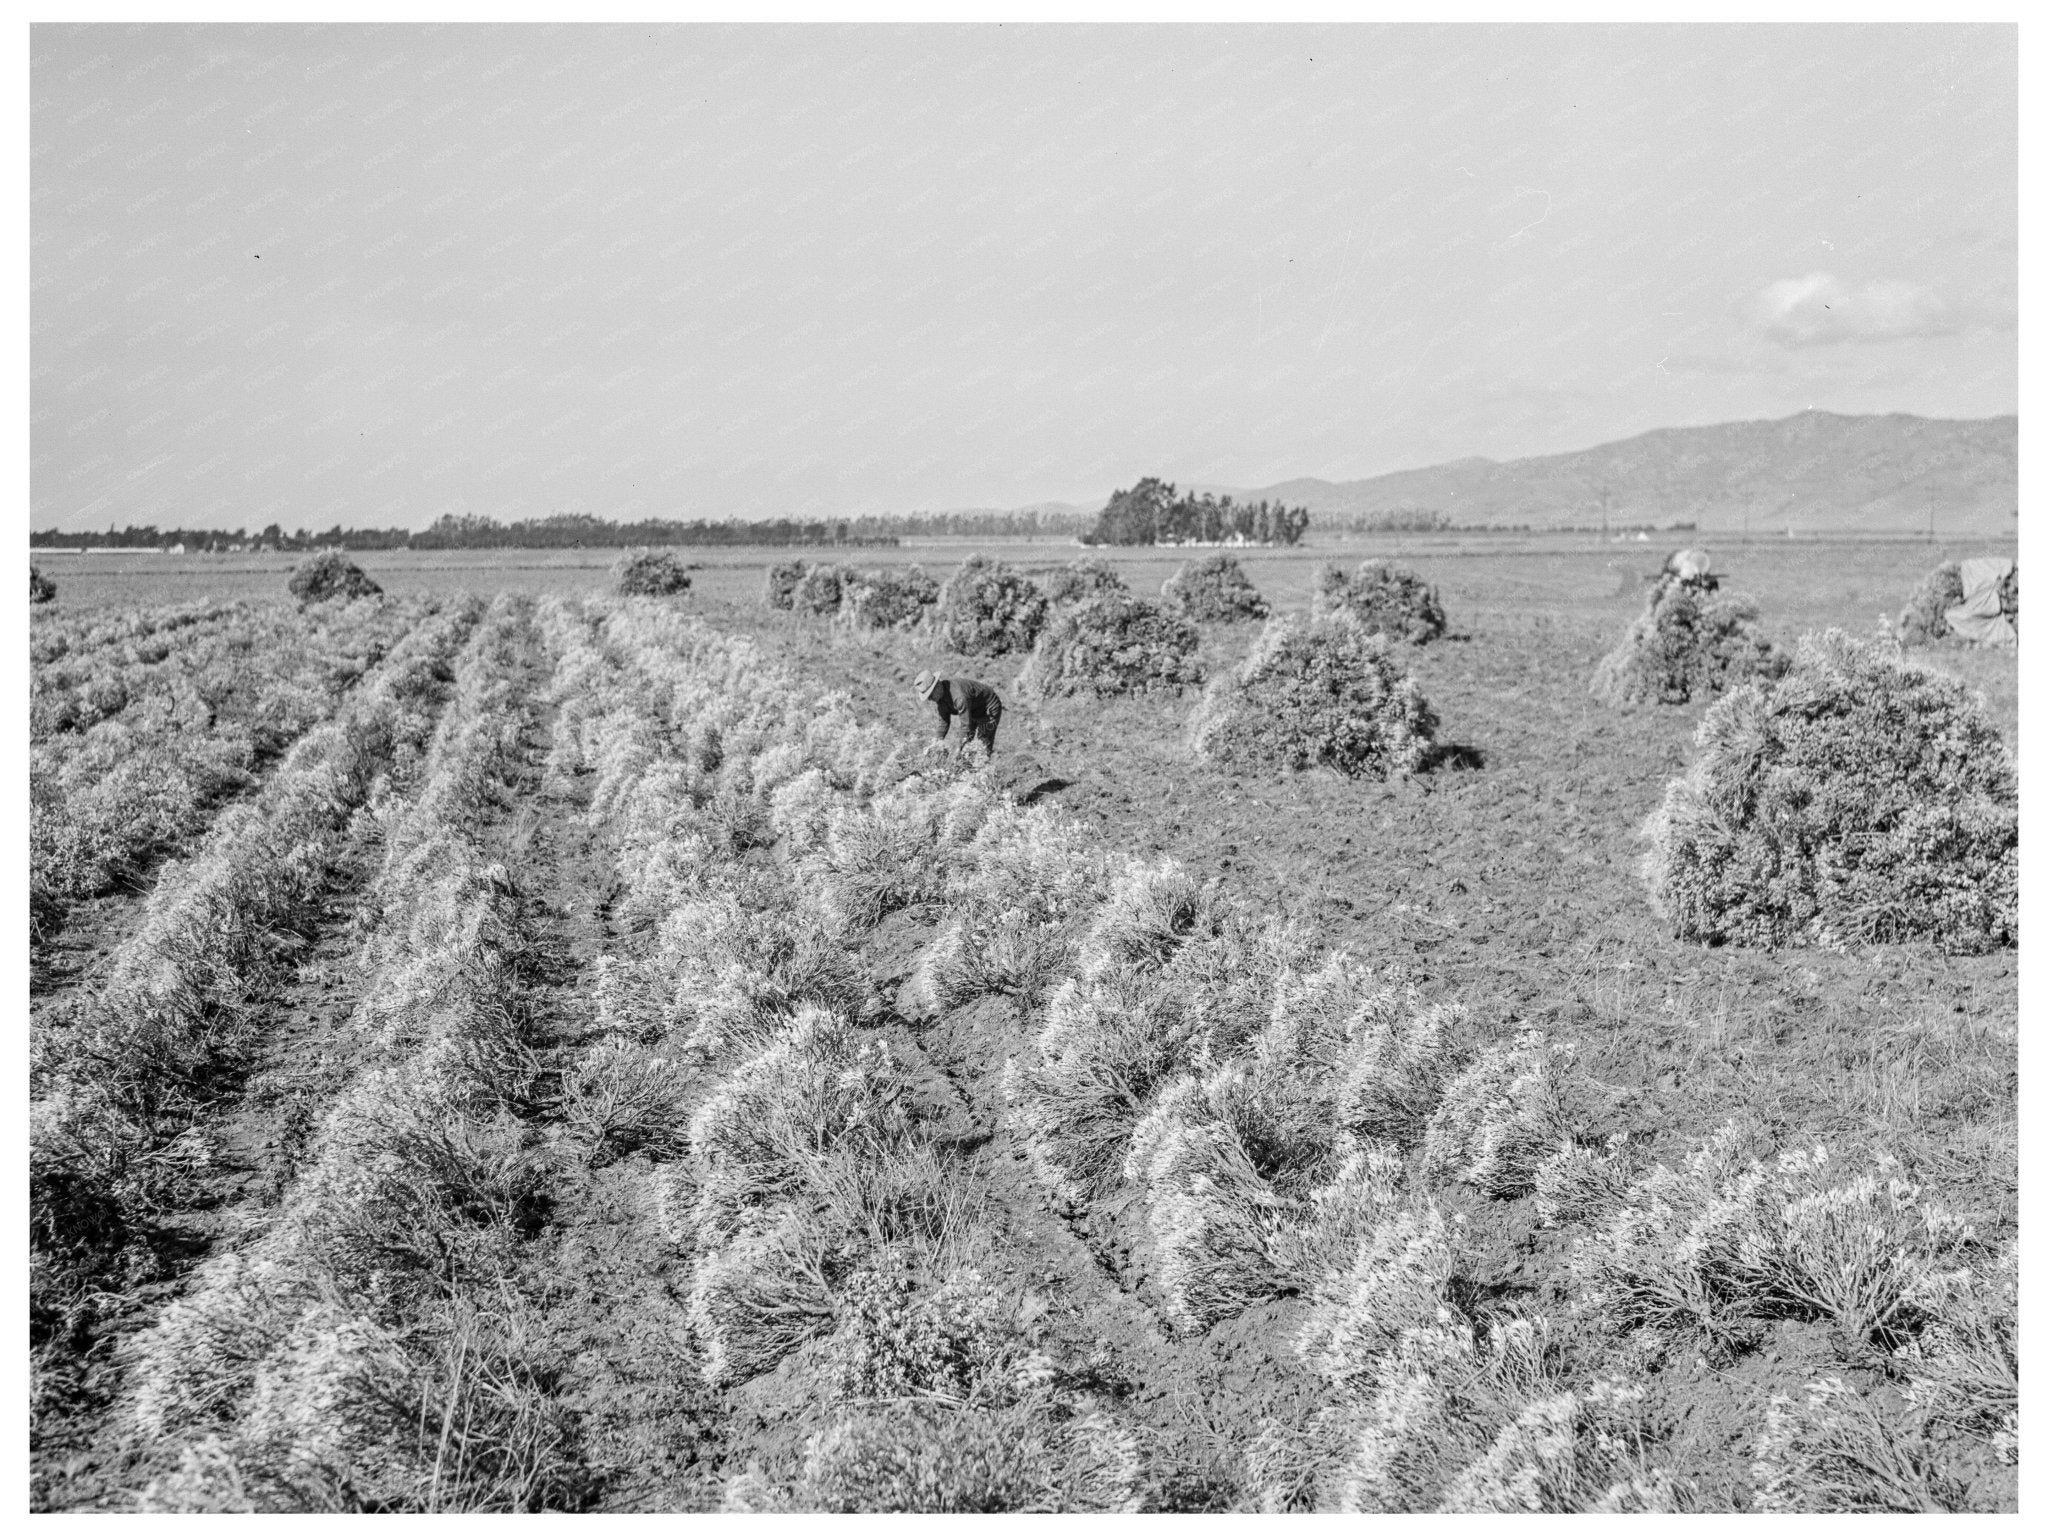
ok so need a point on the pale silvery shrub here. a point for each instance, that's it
(1500, 1117)
(1830, 1452)
(756, 1296)
(816, 1084)
(1341, 1216)
(1724, 1241)
(1579, 1450)
(1102, 1051)
(1578, 1183)
(1393, 1074)
(1211, 1215)
(1398, 1279)
(1151, 911)
(1434, 1400)
(1965, 1365)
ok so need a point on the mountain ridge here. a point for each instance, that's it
(1814, 471)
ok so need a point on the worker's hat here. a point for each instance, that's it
(925, 683)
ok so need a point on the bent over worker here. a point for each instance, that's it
(981, 711)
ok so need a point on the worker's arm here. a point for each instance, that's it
(944, 706)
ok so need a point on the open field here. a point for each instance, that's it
(595, 1058)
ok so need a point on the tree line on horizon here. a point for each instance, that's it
(1153, 512)
(578, 530)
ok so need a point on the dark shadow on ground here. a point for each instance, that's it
(1454, 757)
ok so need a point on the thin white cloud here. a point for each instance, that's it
(1818, 309)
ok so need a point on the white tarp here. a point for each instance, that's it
(1977, 617)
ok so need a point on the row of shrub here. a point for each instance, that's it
(383, 1345)
(133, 745)
(80, 631)
(116, 1087)
(1285, 1121)
(1240, 1118)
(790, 1159)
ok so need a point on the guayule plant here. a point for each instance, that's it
(987, 608)
(330, 574)
(1859, 799)
(820, 590)
(1079, 580)
(651, 573)
(1321, 693)
(1112, 643)
(887, 597)
(1688, 643)
(782, 582)
(1384, 598)
(1213, 590)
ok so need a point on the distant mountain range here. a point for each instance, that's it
(1815, 472)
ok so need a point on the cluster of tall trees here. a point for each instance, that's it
(1153, 512)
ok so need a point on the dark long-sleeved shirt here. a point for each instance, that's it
(975, 701)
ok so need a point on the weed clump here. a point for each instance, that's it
(1859, 800)
(330, 574)
(1213, 590)
(40, 588)
(1384, 598)
(782, 582)
(1079, 580)
(651, 573)
(1688, 642)
(987, 608)
(1111, 644)
(887, 597)
(1318, 694)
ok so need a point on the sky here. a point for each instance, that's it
(378, 275)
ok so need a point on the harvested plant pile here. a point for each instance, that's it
(651, 573)
(40, 588)
(1384, 598)
(1688, 643)
(888, 597)
(1079, 580)
(1213, 590)
(1110, 644)
(782, 582)
(1925, 618)
(818, 591)
(1320, 693)
(1857, 799)
(330, 574)
(987, 608)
